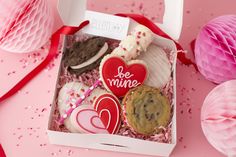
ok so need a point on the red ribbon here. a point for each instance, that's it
(146, 22)
(2, 154)
(53, 51)
(192, 46)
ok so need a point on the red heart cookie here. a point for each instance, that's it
(119, 77)
(108, 109)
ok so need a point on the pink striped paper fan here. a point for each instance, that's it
(218, 118)
(215, 49)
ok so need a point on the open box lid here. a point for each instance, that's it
(73, 12)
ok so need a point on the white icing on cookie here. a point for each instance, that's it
(158, 65)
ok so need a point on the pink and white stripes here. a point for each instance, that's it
(79, 101)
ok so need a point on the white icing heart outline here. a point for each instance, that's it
(109, 113)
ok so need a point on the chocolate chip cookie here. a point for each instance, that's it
(146, 110)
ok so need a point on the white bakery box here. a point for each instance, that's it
(73, 12)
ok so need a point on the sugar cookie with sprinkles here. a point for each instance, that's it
(127, 49)
(69, 94)
(144, 37)
(135, 43)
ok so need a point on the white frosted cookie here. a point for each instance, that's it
(69, 94)
(159, 66)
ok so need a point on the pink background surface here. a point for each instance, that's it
(24, 117)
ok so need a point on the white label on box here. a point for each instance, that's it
(106, 25)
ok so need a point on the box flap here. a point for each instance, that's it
(72, 13)
(173, 18)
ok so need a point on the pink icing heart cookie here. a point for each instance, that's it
(109, 110)
(119, 77)
(85, 119)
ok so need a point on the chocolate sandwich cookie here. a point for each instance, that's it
(146, 110)
(86, 55)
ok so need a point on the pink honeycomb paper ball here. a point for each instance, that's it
(215, 49)
(26, 25)
(218, 118)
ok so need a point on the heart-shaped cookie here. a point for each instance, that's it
(119, 77)
(85, 119)
(109, 110)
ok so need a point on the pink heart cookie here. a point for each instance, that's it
(109, 110)
(119, 77)
(85, 119)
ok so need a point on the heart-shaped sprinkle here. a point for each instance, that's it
(109, 110)
(119, 77)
